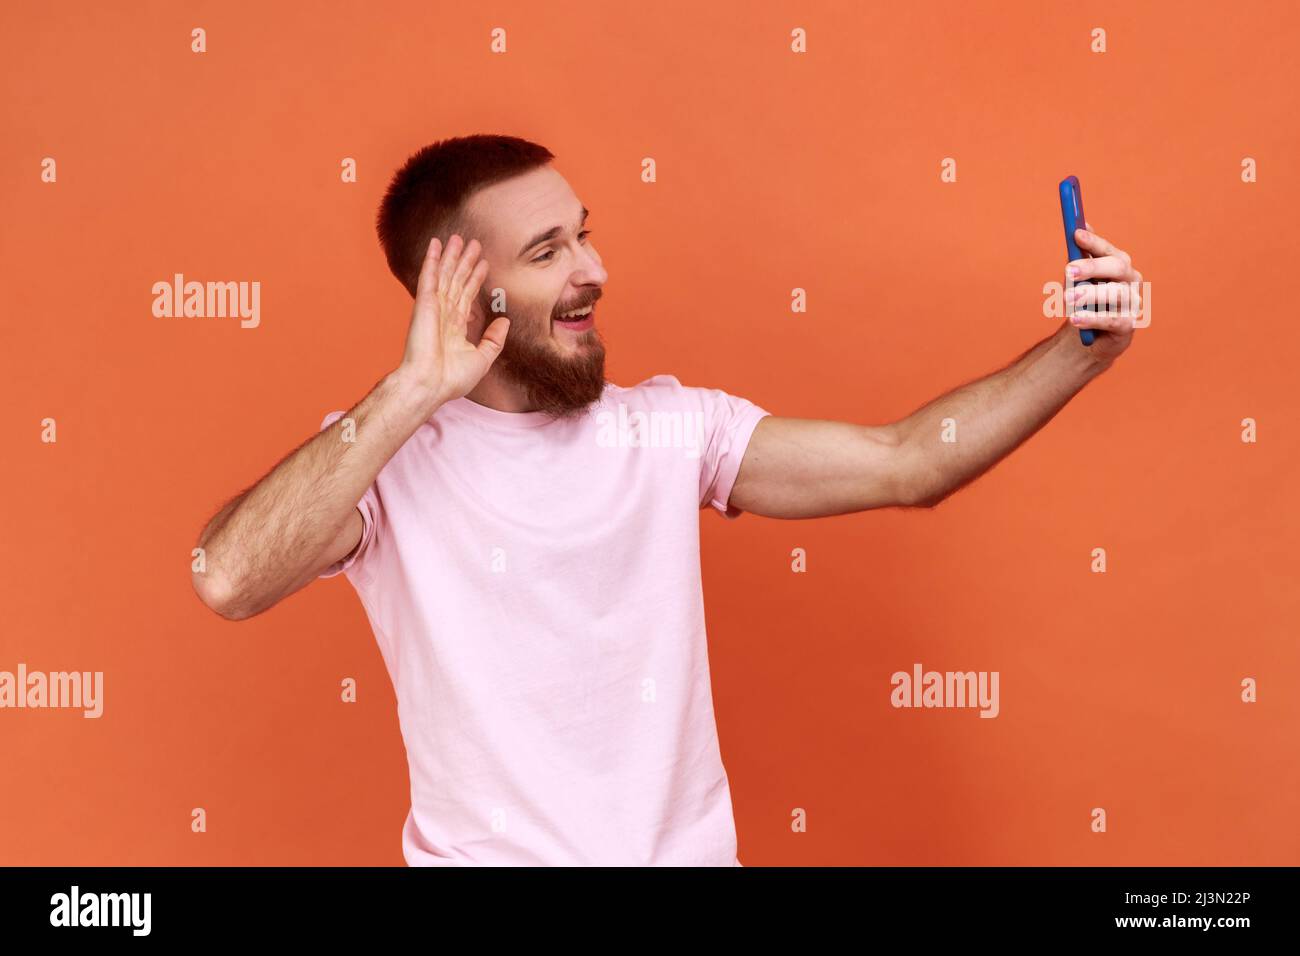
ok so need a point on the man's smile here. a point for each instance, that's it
(579, 320)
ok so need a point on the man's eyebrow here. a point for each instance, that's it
(549, 234)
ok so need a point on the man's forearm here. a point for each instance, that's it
(268, 541)
(992, 416)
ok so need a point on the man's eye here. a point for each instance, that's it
(582, 235)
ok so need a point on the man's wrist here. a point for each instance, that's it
(410, 397)
(1078, 357)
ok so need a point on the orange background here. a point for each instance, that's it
(775, 171)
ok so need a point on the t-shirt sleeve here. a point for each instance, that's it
(369, 508)
(730, 421)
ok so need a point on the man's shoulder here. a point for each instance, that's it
(656, 392)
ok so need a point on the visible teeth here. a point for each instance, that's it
(576, 313)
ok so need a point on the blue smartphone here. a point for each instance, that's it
(1072, 216)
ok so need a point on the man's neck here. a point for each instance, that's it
(494, 392)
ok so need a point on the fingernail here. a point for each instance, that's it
(1072, 271)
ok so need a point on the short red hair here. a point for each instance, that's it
(427, 196)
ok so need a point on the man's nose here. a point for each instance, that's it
(590, 271)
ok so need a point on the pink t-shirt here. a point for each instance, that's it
(534, 588)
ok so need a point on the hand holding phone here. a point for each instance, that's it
(1072, 217)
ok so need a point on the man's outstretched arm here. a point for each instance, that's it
(805, 468)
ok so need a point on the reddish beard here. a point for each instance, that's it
(562, 385)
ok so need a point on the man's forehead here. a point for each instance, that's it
(517, 208)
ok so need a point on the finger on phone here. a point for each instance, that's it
(1097, 245)
(1105, 267)
(1103, 296)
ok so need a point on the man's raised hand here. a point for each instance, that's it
(439, 357)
